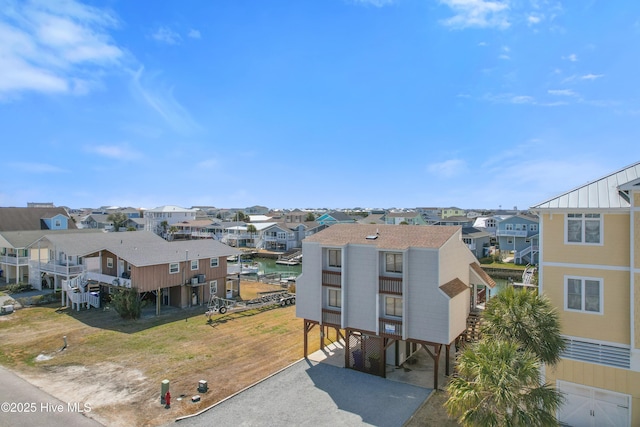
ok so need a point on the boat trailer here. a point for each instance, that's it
(222, 305)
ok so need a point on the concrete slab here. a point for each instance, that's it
(310, 393)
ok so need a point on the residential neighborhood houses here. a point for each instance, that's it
(388, 281)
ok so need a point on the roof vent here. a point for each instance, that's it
(373, 236)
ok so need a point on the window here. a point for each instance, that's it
(214, 262)
(213, 287)
(393, 306)
(58, 223)
(508, 227)
(334, 298)
(583, 294)
(533, 227)
(109, 262)
(335, 258)
(583, 228)
(393, 263)
(174, 267)
(194, 264)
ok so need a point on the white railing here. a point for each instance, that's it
(89, 299)
(50, 267)
(112, 280)
(14, 260)
(512, 233)
(204, 234)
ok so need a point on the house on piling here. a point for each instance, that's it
(391, 289)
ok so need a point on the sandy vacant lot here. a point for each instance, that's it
(117, 366)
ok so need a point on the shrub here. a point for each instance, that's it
(15, 288)
(127, 303)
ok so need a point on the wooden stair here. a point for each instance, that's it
(474, 321)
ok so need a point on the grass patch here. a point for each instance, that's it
(233, 351)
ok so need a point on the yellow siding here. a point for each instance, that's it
(614, 251)
(613, 324)
(604, 377)
(636, 199)
(636, 238)
(637, 309)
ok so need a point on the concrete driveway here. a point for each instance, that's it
(313, 393)
(24, 404)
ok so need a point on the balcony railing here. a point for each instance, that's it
(390, 327)
(111, 280)
(331, 317)
(50, 267)
(390, 285)
(512, 233)
(12, 259)
(331, 278)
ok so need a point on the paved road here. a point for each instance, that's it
(316, 394)
(23, 404)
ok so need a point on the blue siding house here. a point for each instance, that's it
(519, 234)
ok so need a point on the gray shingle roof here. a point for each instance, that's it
(140, 247)
(17, 219)
(600, 194)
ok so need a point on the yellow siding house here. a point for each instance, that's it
(590, 270)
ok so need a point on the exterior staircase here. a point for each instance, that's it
(474, 321)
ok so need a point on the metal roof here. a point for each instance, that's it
(603, 193)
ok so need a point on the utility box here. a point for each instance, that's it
(202, 386)
(164, 388)
(6, 309)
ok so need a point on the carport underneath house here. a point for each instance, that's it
(368, 352)
(179, 274)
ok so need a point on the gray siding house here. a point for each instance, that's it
(391, 289)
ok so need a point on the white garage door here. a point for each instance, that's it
(593, 407)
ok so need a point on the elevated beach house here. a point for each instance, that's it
(84, 265)
(590, 270)
(391, 288)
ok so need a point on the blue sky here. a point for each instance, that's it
(314, 103)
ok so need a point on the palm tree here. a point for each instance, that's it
(172, 230)
(252, 230)
(528, 318)
(118, 219)
(499, 384)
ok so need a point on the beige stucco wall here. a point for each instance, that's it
(614, 251)
(604, 377)
(613, 324)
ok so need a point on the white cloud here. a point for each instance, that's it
(522, 99)
(448, 168)
(33, 167)
(477, 14)
(562, 92)
(54, 48)
(194, 34)
(573, 57)
(118, 152)
(163, 102)
(166, 35)
(591, 76)
(534, 19)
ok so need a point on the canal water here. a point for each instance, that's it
(268, 265)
